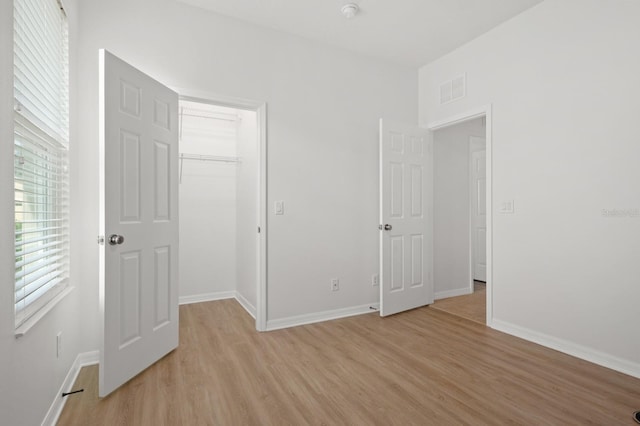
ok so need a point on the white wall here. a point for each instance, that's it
(247, 209)
(207, 210)
(323, 109)
(562, 79)
(451, 207)
(30, 372)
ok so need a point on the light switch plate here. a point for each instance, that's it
(279, 207)
(507, 207)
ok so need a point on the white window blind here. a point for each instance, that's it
(41, 139)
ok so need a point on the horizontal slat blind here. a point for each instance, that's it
(41, 139)
(40, 66)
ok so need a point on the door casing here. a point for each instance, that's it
(260, 107)
(482, 111)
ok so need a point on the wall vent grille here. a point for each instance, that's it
(453, 89)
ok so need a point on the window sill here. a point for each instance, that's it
(28, 324)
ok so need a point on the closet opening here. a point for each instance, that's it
(220, 198)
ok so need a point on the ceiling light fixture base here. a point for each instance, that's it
(350, 10)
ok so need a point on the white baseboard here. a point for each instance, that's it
(588, 354)
(246, 304)
(321, 316)
(82, 360)
(221, 295)
(206, 297)
(452, 293)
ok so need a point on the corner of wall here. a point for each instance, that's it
(82, 360)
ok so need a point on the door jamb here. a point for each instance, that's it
(482, 111)
(260, 107)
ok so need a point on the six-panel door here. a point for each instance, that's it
(406, 189)
(139, 218)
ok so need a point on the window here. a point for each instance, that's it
(41, 140)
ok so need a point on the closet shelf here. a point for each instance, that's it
(184, 156)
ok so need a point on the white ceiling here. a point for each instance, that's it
(410, 32)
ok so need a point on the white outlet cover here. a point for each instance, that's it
(335, 284)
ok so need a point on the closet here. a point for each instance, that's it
(218, 189)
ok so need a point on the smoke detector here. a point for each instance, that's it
(350, 10)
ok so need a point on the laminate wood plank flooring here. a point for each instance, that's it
(470, 306)
(422, 367)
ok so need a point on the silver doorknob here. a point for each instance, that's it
(388, 227)
(115, 239)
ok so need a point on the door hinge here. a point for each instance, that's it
(259, 229)
(101, 240)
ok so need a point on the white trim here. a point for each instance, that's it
(48, 307)
(452, 293)
(588, 354)
(321, 316)
(486, 111)
(246, 304)
(220, 295)
(206, 297)
(260, 107)
(82, 360)
(261, 296)
(217, 99)
(471, 114)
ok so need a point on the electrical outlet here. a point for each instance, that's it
(335, 284)
(59, 345)
(375, 280)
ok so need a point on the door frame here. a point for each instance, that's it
(260, 107)
(482, 111)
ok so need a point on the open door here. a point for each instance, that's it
(138, 221)
(478, 204)
(406, 218)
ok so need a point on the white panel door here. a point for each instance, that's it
(478, 209)
(139, 220)
(406, 218)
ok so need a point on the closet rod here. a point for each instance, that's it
(200, 157)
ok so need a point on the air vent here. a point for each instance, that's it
(453, 90)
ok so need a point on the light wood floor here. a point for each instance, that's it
(423, 367)
(471, 306)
